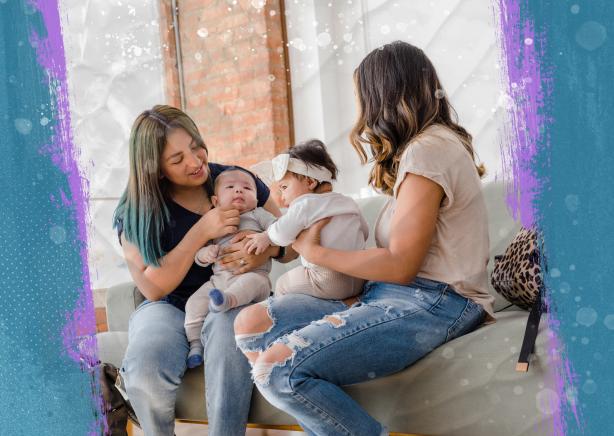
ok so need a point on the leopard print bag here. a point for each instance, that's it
(517, 275)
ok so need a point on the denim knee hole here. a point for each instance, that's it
(261, 370)
(244, 339)
(335, 320)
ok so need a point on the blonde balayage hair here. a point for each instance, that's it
(399, 96)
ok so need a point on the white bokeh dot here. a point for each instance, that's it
(258, 4)
(547, 401)
(591, 35)
(323, 39)
(586, 316)
(23, 126)
(448, 352)
(589, 387)
(572, 202)
(57, 234)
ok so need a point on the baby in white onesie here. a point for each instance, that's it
(234, 188)
(299, 172)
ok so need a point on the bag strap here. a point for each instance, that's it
(530, 333)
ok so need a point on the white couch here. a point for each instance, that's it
(466, 387)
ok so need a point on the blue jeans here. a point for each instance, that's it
(390, 328)
(155, 362)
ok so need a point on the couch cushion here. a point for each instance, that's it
(112, 347)
(501, 230)
(121, 301)
(468, 387)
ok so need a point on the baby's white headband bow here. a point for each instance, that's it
(276, 169)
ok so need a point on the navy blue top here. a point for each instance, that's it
(181, 221)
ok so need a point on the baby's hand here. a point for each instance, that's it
(258, 243)
(207, 255)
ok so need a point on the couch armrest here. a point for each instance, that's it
(112, 347)
(121, 302)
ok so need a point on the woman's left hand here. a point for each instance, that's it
(309, 240)
(236, 259)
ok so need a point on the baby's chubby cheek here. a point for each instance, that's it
(251, 201)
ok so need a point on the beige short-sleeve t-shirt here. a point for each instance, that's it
(458, 254)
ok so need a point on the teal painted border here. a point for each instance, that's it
(41, 272)
(576, 210)
(47, 318)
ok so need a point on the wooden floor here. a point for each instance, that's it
(191, 429)
(187, 429)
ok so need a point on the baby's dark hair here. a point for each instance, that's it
(313, 152)
(230, 169)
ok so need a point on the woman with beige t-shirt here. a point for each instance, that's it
(426, 277)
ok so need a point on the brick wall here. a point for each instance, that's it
(235, 73)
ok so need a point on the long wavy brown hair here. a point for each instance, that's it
(399, 96)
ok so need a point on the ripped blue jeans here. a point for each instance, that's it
(333, 345)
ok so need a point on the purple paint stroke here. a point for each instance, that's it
(565, 375)
(65, 200)
(527, 88)
(79, 332)
(526, 100)
(562, 373)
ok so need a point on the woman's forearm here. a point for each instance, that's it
(377, 264)
(173, 267)
(157, 282)
(288, 253)
(288, 256)
(412, 230)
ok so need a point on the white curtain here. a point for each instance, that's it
(115, 72)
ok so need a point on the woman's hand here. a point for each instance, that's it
(236, 259)
(308, 240)
(323, 188)
(219, 222)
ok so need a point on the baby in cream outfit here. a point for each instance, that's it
(299, 172)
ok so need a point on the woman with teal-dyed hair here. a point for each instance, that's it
(164, 216)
